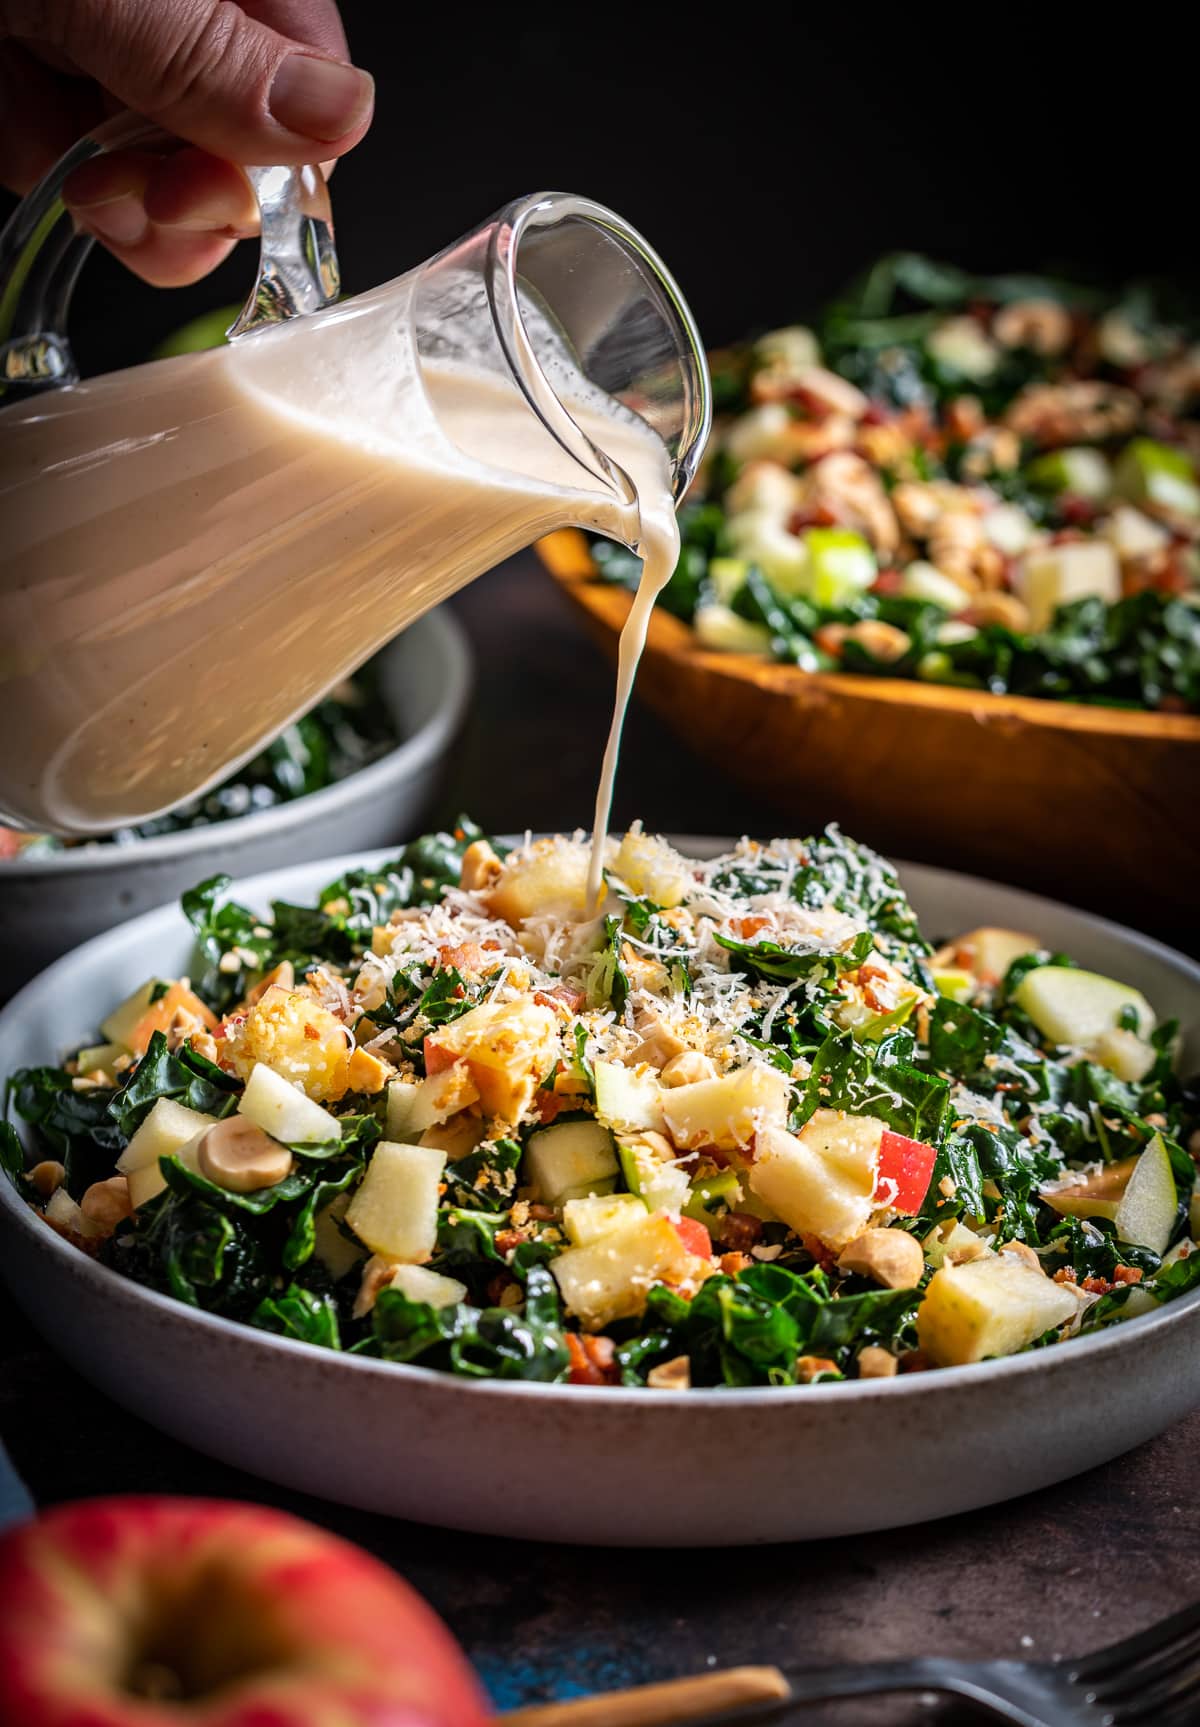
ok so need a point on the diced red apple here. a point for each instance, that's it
(903, 1172)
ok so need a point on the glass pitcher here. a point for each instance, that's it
(195, 550)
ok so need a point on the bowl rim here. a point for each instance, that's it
(258, 888)
(671, 637)
(437, 635)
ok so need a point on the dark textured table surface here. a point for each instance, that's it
(1059, 1572)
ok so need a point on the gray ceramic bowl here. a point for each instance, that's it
(610, 1466)
(53, 902)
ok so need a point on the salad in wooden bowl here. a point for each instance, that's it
(941, 570)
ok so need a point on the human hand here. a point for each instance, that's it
(266, 81)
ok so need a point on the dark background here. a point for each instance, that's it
(768, 152)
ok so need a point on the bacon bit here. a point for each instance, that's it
(738, 1232)
(467, 956)
(915, 1361)
(1076, 510)
(311, 1032)
(548, 1105)
(964, 418)
(1127, 1274)
(507, 1240)
(887, 582)
(749, 926)
(823, 1256)
(732, 1263)
(1097, 1285)
(542, 1213)
(561, 995)
(810, 1367)
(1065, 1274)
(592, 1360)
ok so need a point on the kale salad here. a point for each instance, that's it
(740, 1126)
(987, 482)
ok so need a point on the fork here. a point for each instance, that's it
(1151, 1680)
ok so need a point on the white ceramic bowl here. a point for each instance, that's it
(614, 1467)
(54, 901)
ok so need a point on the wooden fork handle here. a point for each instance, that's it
(669, 1704)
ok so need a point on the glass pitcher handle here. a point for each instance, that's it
(42, 252)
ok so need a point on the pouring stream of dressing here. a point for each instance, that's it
(659, 547)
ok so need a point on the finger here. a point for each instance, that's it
(41, 116)
(109, 198)
(213, 74)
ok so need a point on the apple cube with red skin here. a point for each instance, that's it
(260, 1618)
(903, 1173)
(837, 1172)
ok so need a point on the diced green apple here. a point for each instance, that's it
(822, 1181)
(727, 578)
(1138, 1195)
(401, 1096)
(169, 1130)
(994, 1305)
(963, 345)
(1053, 576)
(726, 1112)
(1075, 1007)
(789, 348)
(148, 1182)
(628, 1100)
(100, 1057)
(282, 1110)
(711, 1193)
(1146, 1214)
(609, 1278)
(394, 1208)
(335, 1251)
(953, 982)
(953, 1241)
(760, 537)
(1132, 534)
(721, 629)
(1082, 471)
(1158, 475)
(661, 1184)
(1124, 1053)
(586, 1220)
(570, 1159)
(924, 581)
(122, 1021)
(431, 1287)
(841, 565)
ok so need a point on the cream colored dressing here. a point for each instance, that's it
(195, 550)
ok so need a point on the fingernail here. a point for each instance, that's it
(319, 98)
(121, 221)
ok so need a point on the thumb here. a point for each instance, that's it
(209, 72)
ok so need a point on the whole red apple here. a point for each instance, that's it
(166, 1612)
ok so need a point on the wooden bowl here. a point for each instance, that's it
(1096, 806)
